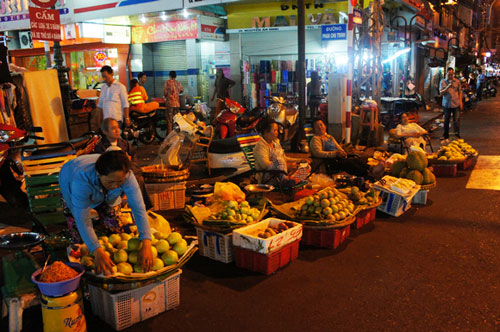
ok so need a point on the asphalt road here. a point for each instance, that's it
(435, 268)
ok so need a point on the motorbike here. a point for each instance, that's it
(489, 89)
(142, 127)
(235, 120)
(286, 115)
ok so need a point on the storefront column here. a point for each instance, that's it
(193, 63)
(235, 62)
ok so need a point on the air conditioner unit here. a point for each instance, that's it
(25, 40)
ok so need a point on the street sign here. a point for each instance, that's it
(334, 32)
(45, 24)
(44, 3)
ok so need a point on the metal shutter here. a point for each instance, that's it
(169, 56)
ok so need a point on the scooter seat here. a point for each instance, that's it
(59, 148)
(142, 115)
(227, 145)
(245, 120)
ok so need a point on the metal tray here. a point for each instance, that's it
(19, 241)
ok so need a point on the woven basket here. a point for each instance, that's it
(428, 186)
(159, 174)
(433, 161)
(327, 225)
(377, 203)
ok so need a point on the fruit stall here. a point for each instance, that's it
(227, 223)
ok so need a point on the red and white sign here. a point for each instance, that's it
(211, 28)
(165, 31)
(44, 3)
(45, 24)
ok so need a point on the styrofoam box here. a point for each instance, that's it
(124, 309)
(394, 204)
(420, 198)
(246, 237)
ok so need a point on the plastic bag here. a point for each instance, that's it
(158, 223)
(322, 180)
(169, 149)
(228, 191)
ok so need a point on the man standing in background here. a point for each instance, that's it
(171, 91)
(142, 78)
(451, 89)
(113, 100)
(222, 86)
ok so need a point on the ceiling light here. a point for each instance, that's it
(185, 13)
(143, 18)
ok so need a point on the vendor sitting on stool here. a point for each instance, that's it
(270, 156)
(137, 98)
(97, 182)
(326, 154)
(411, 132)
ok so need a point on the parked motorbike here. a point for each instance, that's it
(489, 89)
(286, 115)
(235, 120)
(142, 127)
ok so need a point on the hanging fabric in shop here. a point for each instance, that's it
(9, 103)
(4, 65)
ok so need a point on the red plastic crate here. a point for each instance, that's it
(266, 264)
(445, 170)
(325, 238)
(364, 217)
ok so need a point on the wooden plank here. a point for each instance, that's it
(52, 189)
(51, 218)
(39, 180)
(49, 160)
(43, 171)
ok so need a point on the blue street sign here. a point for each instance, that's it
(334, 32)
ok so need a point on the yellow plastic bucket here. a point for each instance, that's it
(63, 314)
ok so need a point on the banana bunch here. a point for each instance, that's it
(378, 157)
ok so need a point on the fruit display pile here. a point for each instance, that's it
(123, 249)
(456, 150)
(413, 168)
(238, 213)
(328, 205)
(274, 230)
(359, 197)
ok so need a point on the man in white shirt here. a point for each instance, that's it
(114, 98)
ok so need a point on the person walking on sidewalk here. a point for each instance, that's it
(480, 84)
(222, 86)
(171, 91)
(451, 90)
(114, 98)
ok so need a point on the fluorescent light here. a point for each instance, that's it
(396, 55)
(488, 54)
(143, 18)
(185, 13)
(163, 16)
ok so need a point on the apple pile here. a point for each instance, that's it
(123, 248)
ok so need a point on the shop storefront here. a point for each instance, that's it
(264, 37)
(193, 47)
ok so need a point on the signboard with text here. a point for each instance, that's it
(165, 31)
(334, 32)
(212, 28)
(45, 24)
(14, 14)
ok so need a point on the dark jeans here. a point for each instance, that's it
(479, 91)
(447, 113)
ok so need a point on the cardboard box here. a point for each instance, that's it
(393, 203)
(246, 237)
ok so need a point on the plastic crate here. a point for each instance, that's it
(124, 309)
(167, 196)
(364, 217)
(325, 238)
(444, 170)
(420, 198)
(216, 246)
(266, 264)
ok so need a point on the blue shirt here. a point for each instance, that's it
(453, 97)
(82, 192)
